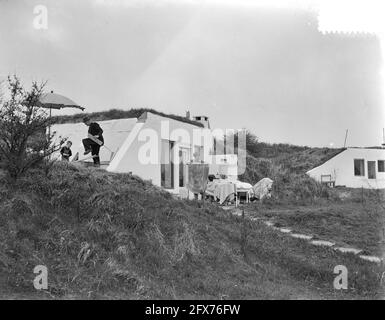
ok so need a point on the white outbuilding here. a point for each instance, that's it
(353, 168)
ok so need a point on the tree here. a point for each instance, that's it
(24, 141)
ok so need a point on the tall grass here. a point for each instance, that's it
(104, 235)
(290, 186)
(77, 220)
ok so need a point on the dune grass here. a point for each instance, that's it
(115, 236)
(352, 218)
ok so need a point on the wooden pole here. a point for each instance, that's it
(346, 136)
(362, 194)
(243, 235)
(50, 118)
(383, 137)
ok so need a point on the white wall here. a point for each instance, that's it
(114, 132)
(341, 167)
(127, 158)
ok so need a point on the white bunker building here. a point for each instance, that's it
(154, 147)
(353, 168)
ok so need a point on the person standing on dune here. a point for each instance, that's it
(94, 141)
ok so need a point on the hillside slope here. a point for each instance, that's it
(287, 165)
(104, 235)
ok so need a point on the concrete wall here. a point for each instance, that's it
(341, 167)
(126, 160)
(115, 133)
(148, 134)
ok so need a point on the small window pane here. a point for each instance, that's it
(198, 153)
(381, 165)
(359, 167)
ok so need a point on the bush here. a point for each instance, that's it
(23, 140)
(287, 165)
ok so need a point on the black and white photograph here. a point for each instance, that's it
(192, 155)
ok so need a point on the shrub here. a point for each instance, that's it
(23, 139)
(286, 165)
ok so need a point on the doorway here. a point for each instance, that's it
(184, 159)
(371, 169)
(167, 164)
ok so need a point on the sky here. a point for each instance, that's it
(267, 69)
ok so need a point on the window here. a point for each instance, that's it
(381, 165)
(371, 169)
(198, 153)
(359, 167)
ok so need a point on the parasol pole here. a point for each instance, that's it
(50, 118)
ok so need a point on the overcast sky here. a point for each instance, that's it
(268, 70)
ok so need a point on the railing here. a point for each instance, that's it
(327, 179)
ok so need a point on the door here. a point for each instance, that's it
(184, 158)
(371, 169)
(167, 165)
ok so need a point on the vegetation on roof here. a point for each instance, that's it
(119, 114)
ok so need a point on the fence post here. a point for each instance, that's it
(362, 194)
(243, 234)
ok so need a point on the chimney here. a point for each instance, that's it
(188, 114)
(203, 120)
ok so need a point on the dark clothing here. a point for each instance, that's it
(66, 153)
(95, 130)
(90, 144)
